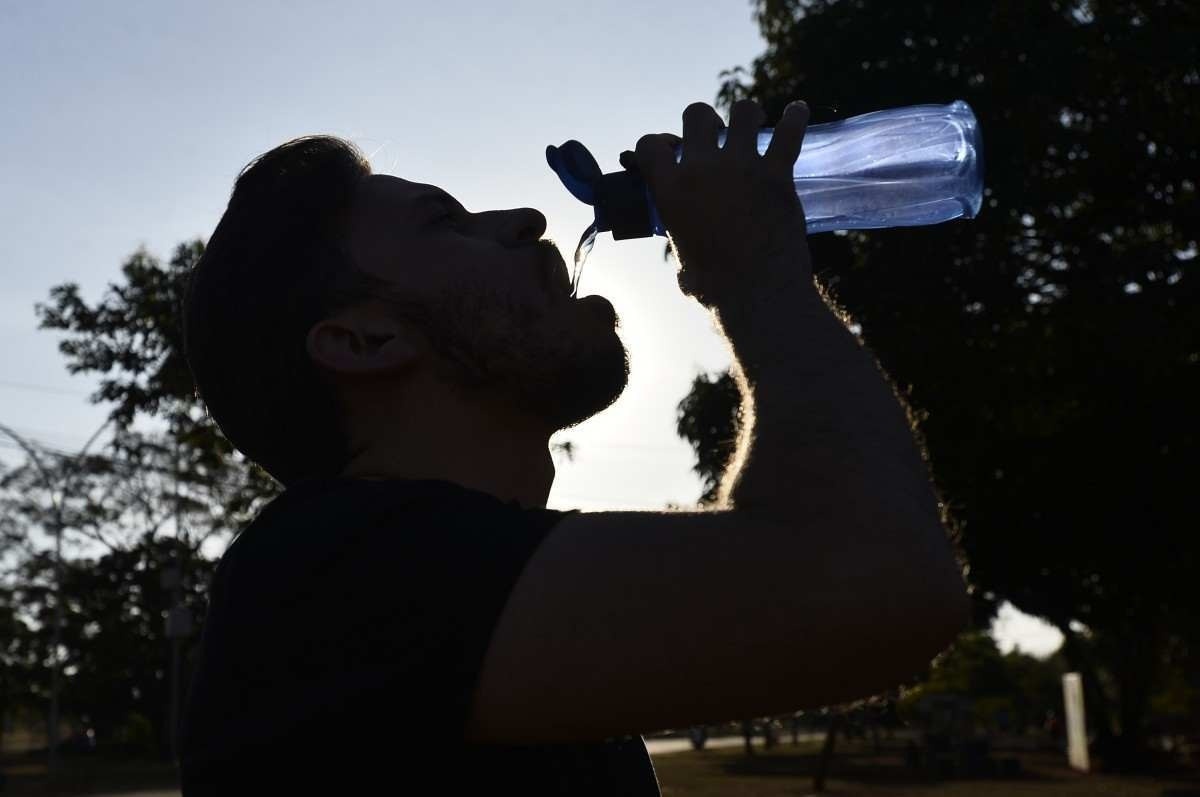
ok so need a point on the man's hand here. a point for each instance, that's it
(733, 216)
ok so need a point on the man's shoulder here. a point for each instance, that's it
(341, 528)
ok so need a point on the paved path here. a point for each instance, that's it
(664, 746)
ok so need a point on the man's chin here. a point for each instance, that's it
(601, 308)
(585, 387)
(572, 414)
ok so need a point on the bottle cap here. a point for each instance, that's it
(620, 199)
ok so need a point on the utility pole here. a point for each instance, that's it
(56, 643)
(178, 628)
(179, 618)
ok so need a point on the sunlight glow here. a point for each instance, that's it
(1015, 630)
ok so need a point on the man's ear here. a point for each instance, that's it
(357, 344)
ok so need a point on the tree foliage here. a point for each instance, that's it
(1008, 691)
(19, 666)
(124, 517)
(707, 419)
(1051, 347)
(115, 655)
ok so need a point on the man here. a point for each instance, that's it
(407, 617)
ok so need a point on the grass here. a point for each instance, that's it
(785, 770)
(856, 772)
(85, 774)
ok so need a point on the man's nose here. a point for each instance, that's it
(522, 226)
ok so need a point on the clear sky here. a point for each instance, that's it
(126, 123)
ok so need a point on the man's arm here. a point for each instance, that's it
(819, 415)
(825, 575)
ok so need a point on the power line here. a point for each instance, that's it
(125, 464)
(43, 436)
(587, 449)
(44, 448)
(576, 448)
(622, 503)
(29, 386)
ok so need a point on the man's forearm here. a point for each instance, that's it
(819, 421)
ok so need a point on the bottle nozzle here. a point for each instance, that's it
(620, 199)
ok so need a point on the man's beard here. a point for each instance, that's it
(488, 343)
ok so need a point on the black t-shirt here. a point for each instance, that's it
(345, 635)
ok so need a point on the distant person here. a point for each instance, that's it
(408, 617)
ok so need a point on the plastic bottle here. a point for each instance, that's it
(902, 167)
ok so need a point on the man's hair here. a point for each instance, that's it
(277, 263)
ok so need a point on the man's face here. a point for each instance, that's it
(494, 300)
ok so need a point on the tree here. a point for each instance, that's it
(1050, 347)
(126, 518)
(18, 666)
(707, 419)
(116, 666)
(1009, 691)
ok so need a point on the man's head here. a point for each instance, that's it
(328, 295)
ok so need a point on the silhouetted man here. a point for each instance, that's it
(407, 617)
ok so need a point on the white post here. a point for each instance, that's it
(1077, 744)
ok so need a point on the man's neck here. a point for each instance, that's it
(501, 454)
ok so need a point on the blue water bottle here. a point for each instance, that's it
(903, 167)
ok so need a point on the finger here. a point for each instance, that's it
(746, 118)
(788, 136)
(701, 124)
(628, 158)
(655, 155)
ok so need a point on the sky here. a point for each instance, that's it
(127, 122)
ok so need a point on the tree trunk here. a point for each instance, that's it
(748, 735)
(1137, 666)
(835, 724)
